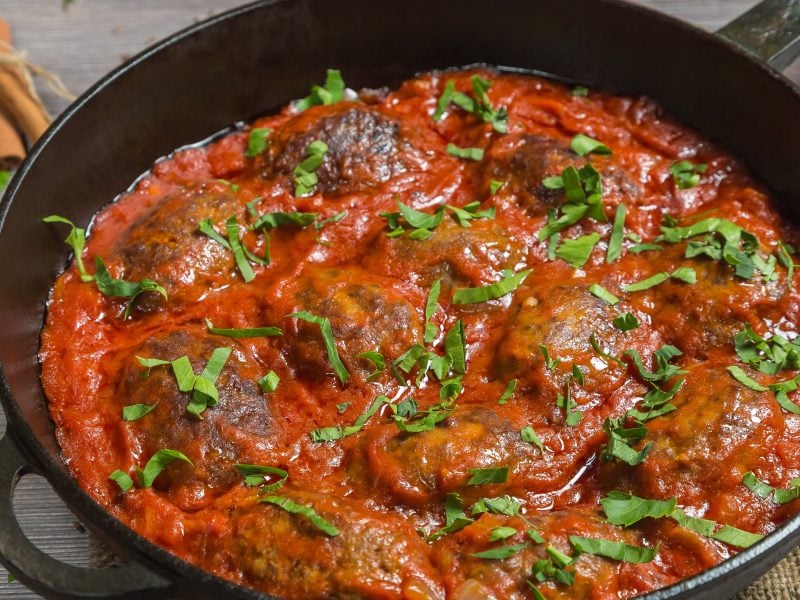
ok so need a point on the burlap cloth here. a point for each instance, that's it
(781, 583)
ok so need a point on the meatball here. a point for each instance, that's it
(166, 246)
(417, 468)
(214, 443)
(718, 432)
(459, 256)
(366, 313)
(374, 554)
(365, 148)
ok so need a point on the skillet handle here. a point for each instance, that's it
(48, 576)
(770, 30)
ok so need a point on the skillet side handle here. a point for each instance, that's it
(48, 576)
(770, 30)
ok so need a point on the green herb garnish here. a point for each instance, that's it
(327, 338)
(299, 509)
(509, 283)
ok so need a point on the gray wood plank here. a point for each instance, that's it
(83, 43)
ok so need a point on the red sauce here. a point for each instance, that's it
(380, 485)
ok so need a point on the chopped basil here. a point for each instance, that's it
(335, 218)
(430, 308)
(488, 476)
(580, 90)
(257, 475)
(206, 227)
(509, 283)
(767, 355)
(685, 274)
(119, 288)
(330, 434)
(625, 509)
(617, 233)
(583, 145)
(601, 352)
(257, 141)
(327, 338)
(469, 153)
(584, 191)
(422, 420)
(739, 375)
(331, 93)
(269, 382)
(444, 100)
(341, 408)
(508, 392)
(664, 370)
(494, 186)
(122, 479)
(619, 442)
(504, 505)
(783, 253)
(613, 549)
(420, 222)
(299, 509)
(470, 212)
(247, 332)
(134, 412)
(233, 186)
(529, 435)
(455, 347)
(376, 358)
(500, 553)
(549, 363)
(626, 322)
(725, 533)
(599, 291)
(455, 517)
(766, 491)
(305, 177)
(274, 220)
(576, 252)
(157, 463)
(76, 240)
(238, 250)
(501, 533)
(639, 248)
(686, 174)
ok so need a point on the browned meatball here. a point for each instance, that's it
(166, 246)
(459, 256)
(214, 443)
(365, 148)
(374, 555)
(718, 432)
(366, 312)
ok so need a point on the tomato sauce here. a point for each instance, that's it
(550, 430)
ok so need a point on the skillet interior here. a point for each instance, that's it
(261, 56)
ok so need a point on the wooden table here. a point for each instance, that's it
(90, 37)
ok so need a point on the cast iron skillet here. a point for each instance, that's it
(262, 55)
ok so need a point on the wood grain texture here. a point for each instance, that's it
(90, 38)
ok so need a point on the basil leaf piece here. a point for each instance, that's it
(488, 476)
(685, 274)
(646, 284)
(493, 291)
(617, 233)
(232, 229)
(425, 420)
(725, 533)
(626, 509)
(576, 252)
(739, 375)
(327, 338)
(767, 355)
(430, 308)
(500, 553)
(549, 363)
(257, 141)
(686, 174)
(119, 288)
(157, 463)
(134, 412)
(455, 347)
(376, 358)
(619, 442)
(598, 291)
(246, 332)
(331, 93)
(330, 434)
(508, 392)
(277, 219)
(783, 253)
(583, 145)
(614, 550)
(580, 90)
(122, 479)
(504, 505)
(501, 533)
(444, 100)
(307, 511)
(639, 248)
(305, 177)
(626, 322)
(256, 475)
(76, 238)
(206, 227)
(494, 186)
(470, 212)
(341, 408)
(601, 352)
(766, 491)
(528, 434)
(469, 153)
(455, 517)
(269, 382)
